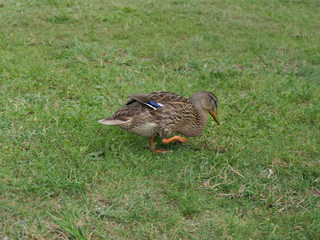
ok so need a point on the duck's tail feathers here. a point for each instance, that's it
(111, 121)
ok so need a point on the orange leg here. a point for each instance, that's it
(173, 139)
(153, 147)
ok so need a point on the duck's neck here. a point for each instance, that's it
(203, 116)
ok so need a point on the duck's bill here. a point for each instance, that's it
(215, 116)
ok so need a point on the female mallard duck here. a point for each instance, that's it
(163, 113)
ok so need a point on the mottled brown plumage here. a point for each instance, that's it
(164, 113)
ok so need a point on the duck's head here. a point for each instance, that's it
(208, 102)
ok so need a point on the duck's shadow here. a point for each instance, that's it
(206, 147)
(118, 141)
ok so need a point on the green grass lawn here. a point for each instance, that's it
(64, 65)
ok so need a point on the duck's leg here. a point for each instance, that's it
(153, 147)
(173, 139)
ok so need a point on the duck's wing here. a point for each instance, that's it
(156, 100)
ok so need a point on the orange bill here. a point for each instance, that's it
(215, 116)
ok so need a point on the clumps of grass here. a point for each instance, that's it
(117, 14)
(62, 17)
(71, 223)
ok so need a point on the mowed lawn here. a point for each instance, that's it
(64, 65)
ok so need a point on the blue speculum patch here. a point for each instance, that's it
(154, 104)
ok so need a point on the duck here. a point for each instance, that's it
(165, 113)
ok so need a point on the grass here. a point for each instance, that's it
(66, 64)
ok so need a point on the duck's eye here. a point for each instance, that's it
(215, 103)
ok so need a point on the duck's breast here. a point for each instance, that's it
(190, 130)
